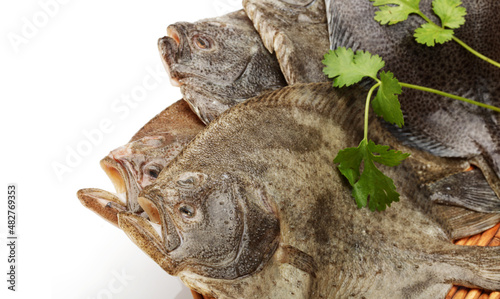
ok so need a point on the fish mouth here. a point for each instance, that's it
(107, 204)
(170, 47)
(159, 216)
(155, 235)
(104, 203)
(125, 186)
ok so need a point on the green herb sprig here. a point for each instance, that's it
(371, 187)
(451, 14)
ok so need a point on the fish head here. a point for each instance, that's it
(137, 164)
(218, 62)
(131, 168)
(209, 226)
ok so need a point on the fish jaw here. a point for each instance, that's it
(145, 235)
(158, 215)
(104, 203)
(167, 47)
(123, 181)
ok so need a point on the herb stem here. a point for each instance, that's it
(449, 95)
(367, 107)
(489, 60)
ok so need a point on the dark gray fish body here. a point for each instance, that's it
(218, 63)
(443, 126)
(296, 30)
(138, 163)
(254, 208)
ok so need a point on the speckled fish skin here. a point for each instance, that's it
(218, 63)
(138, 163)
(297, 31)
(253, 207)
(440, 125)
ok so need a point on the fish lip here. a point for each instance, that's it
(123, 182)
(168, 48)
(171, 48)
(171, 237)
(104, 203)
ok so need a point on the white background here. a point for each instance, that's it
(63, 70)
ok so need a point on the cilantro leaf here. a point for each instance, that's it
(376, 187)
(450, 12)
(395, 14)
(349, 160)
(372, 187)
(348, 68)
(386, 103)
(429, 34)
(385, 155)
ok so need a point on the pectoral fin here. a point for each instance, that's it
(468, 189)
(298, 259)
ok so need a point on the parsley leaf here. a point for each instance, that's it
(395, 14)
(429, 34)
(348, 68)
(386, 103)
(450, 12)
(372, 187)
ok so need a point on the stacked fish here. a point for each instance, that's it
(233, 188)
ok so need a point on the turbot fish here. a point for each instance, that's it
(253, 207)
(218, 63)
(442, 126)
(138, 163)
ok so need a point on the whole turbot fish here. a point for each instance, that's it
(138, 163)
(442, 126)
(253, 207)
(218, 63)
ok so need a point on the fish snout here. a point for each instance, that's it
(168, 48)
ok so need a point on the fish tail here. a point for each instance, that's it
(479, 267)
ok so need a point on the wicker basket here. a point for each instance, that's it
(490, 237)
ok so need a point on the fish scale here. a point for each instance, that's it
(257, 172)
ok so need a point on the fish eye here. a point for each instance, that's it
(187, 211)
(153, 171)
(202, 42)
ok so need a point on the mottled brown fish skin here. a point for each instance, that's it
(440, 125)
(263, 171)
(218, 63)
(297, 32)
(138, 163)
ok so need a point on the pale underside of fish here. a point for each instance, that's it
(253, 207)
(440, 125)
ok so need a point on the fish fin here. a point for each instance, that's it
(297, 258)
(483, 264)
(467, 189)
(420, 141)
(277, 25)
(338, 33)
(460, 222)
(489, 173)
